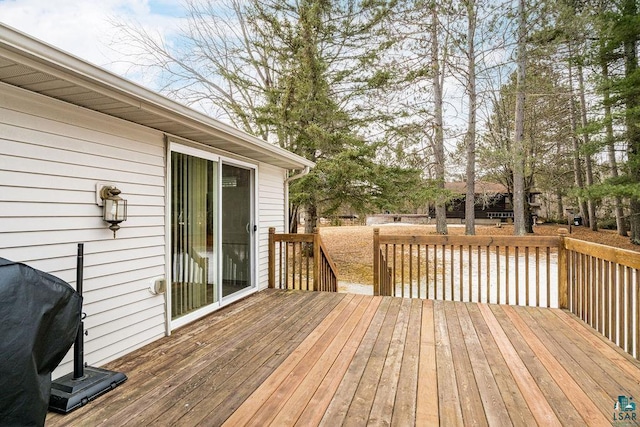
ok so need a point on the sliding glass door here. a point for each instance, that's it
(212, 232)
(237, 228)
(194, 217)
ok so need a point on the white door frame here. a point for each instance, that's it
(203, 153)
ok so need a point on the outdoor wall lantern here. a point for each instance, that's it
(114, 207)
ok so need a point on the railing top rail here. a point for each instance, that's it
(607, 253)
(520, 241)
(293, 238)
(323, 248)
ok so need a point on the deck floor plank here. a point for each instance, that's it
(518, 413)
(609, 375)
(318, 367)
(590, 413)
(284, 390)
(553, 394)
(383, 403)
(151, 364)
(493, 405)
(449, 400)
(583, 372)
(427, 401)
(317, 405)
(470, 400)
(362, 402)
(404, 409)
(530, 389)
(256, 362)
(264, 392)
(156, 373)
(184, 398)
(339, 406)
(310, 358)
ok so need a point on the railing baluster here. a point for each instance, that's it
(597, 292)
(607, 299)
(426, 273)
(435, 271)
(537, 304)
(548, 265)
(526, 274)
(488, 274)
(418, 264)
(620, 288)
(497, 274)
(461, 275)
(479, 276)
(637, 324)
(629, 328)
(470, 272)
(402, 270)
(452, 279)
(506, 277)
(517, 268)
(395, 270)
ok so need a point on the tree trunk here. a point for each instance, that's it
(518, 142)
(559, 204)
(577, 165)
(293, 218)
(310, 218)
(611, 151)
(632, 118)
(441, 213)
(591, 205)
(469, 208)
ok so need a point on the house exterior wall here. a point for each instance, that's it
(271, 213)
(52, 155)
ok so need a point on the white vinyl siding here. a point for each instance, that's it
(52, 155)
(271, 212)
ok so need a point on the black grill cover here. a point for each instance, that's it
(39, 318)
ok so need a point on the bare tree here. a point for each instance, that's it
(621, 225)
(577, 162)
(441, 213)
(591, 206)
(470, 137)
(518, 140)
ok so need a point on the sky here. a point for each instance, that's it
(83, 28)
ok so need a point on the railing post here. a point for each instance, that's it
(317, 259)
(272, 257)
(563, 277)
(376, 261)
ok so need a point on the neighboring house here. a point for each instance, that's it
(492, 201)
(201, 196)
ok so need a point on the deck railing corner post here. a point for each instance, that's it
(376, 261)
(317, 259)
(563, 277)
(272, 258)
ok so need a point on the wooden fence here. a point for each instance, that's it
(300, 261)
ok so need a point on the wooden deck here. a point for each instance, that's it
(311, 358)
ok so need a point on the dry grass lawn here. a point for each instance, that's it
(351, 247)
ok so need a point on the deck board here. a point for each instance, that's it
(308, 358)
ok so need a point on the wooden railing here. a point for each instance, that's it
(492, 269)
(300, 261)
(603, 290)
